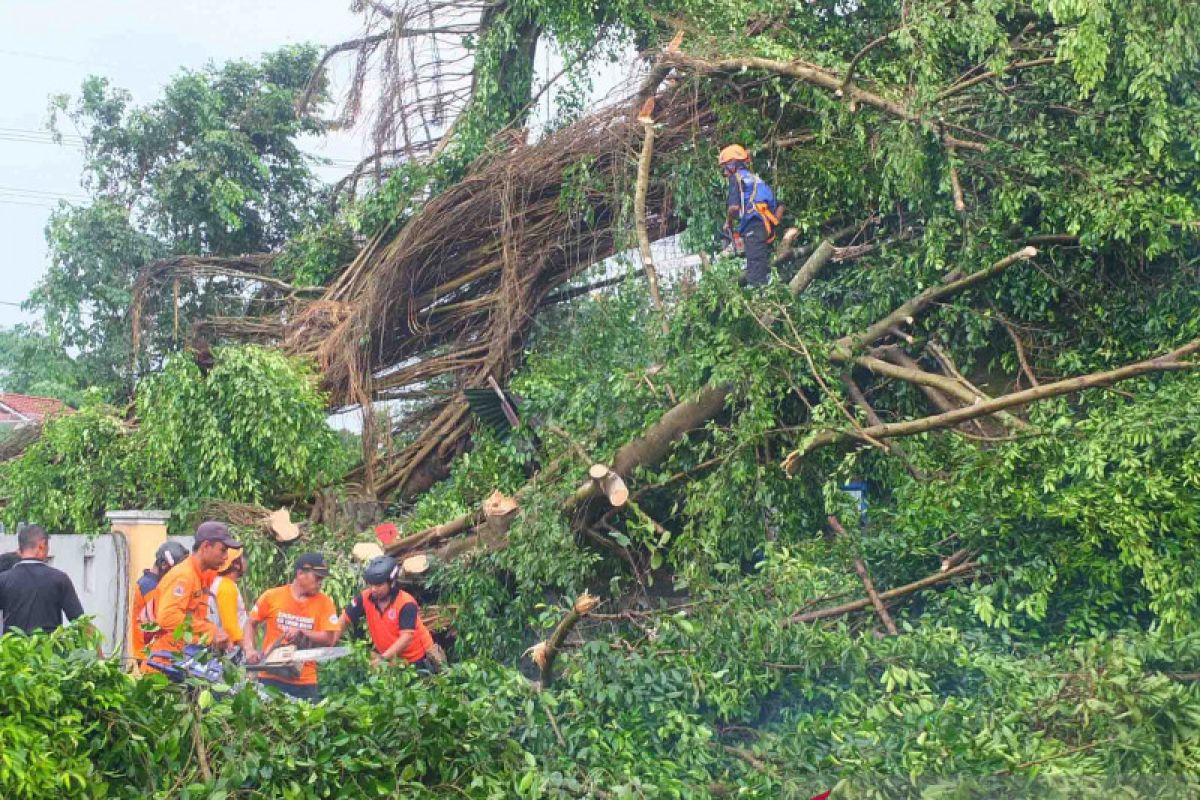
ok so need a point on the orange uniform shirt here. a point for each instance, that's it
(279, 610)
(144, 593)
(183, 595)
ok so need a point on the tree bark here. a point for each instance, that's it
(1167, 362)
(860, 567)
(890, 594)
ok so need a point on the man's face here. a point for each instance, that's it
(379, 591)
(308, 582)
(42, 551)
(212, 554)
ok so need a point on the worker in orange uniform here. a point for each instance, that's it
(145, 596)
(393, 617)
(182, 611)
(298, 614)
(225, 604)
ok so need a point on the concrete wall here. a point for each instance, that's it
(98, 568)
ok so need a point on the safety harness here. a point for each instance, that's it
(765, 208)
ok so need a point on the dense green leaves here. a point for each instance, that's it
(253, 428)
(212, 168)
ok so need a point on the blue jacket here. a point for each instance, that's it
(746, 189)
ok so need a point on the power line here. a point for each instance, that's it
(26, 140)
(43, 193)
(60, 59)
(40, 133)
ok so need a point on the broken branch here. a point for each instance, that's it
(1167, 362)
(890, 594)
(543, 653)
(860, 567)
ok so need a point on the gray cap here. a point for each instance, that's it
(213, 531)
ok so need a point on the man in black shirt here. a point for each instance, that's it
(35, 596)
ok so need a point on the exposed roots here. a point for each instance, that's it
(450, 298)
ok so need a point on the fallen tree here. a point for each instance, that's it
(452, 295)
(1167, 362)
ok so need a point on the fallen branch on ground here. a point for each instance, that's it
(890, 594)
(1168, 362)
(543, 653)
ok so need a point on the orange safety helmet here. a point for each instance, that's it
(734, 152)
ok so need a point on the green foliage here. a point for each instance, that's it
(1063, 665)
(254, 425)
(254, 428)
(315, 254)
(32, 362)
(83, 465)
(211, 168)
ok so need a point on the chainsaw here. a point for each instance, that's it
(199, 662)
(733, 244)
(287, 660)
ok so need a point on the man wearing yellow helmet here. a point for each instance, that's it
(751, 212)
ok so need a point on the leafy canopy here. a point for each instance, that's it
(252, 429)
(212, 168)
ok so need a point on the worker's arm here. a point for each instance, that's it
(325, 627)
(321, 638)
(397, 646)
(69, 601)
(733, 206)
(408, 629)
(249, 634)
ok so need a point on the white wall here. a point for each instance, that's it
(98, 566)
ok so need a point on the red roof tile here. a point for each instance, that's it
(36, 408)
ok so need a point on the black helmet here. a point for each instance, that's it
(381, 569)
(170, 553)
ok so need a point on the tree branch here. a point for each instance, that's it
(639, 218)
(1167, 362)
(860, 567)
(816, 77)
(962, 86)
(890, 594)
(906, 312)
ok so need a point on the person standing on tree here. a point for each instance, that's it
(182, 603)
(35, 596)
(298, 614)
(393, 617)
(145, 597)
(225, 604)
(751, 213)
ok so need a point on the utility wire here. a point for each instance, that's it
(43, 193)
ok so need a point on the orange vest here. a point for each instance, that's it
(138, 638)
(181, 598)
(384, 626)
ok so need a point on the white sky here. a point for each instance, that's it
(49, 46)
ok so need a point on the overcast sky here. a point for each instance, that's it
(49, 46)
